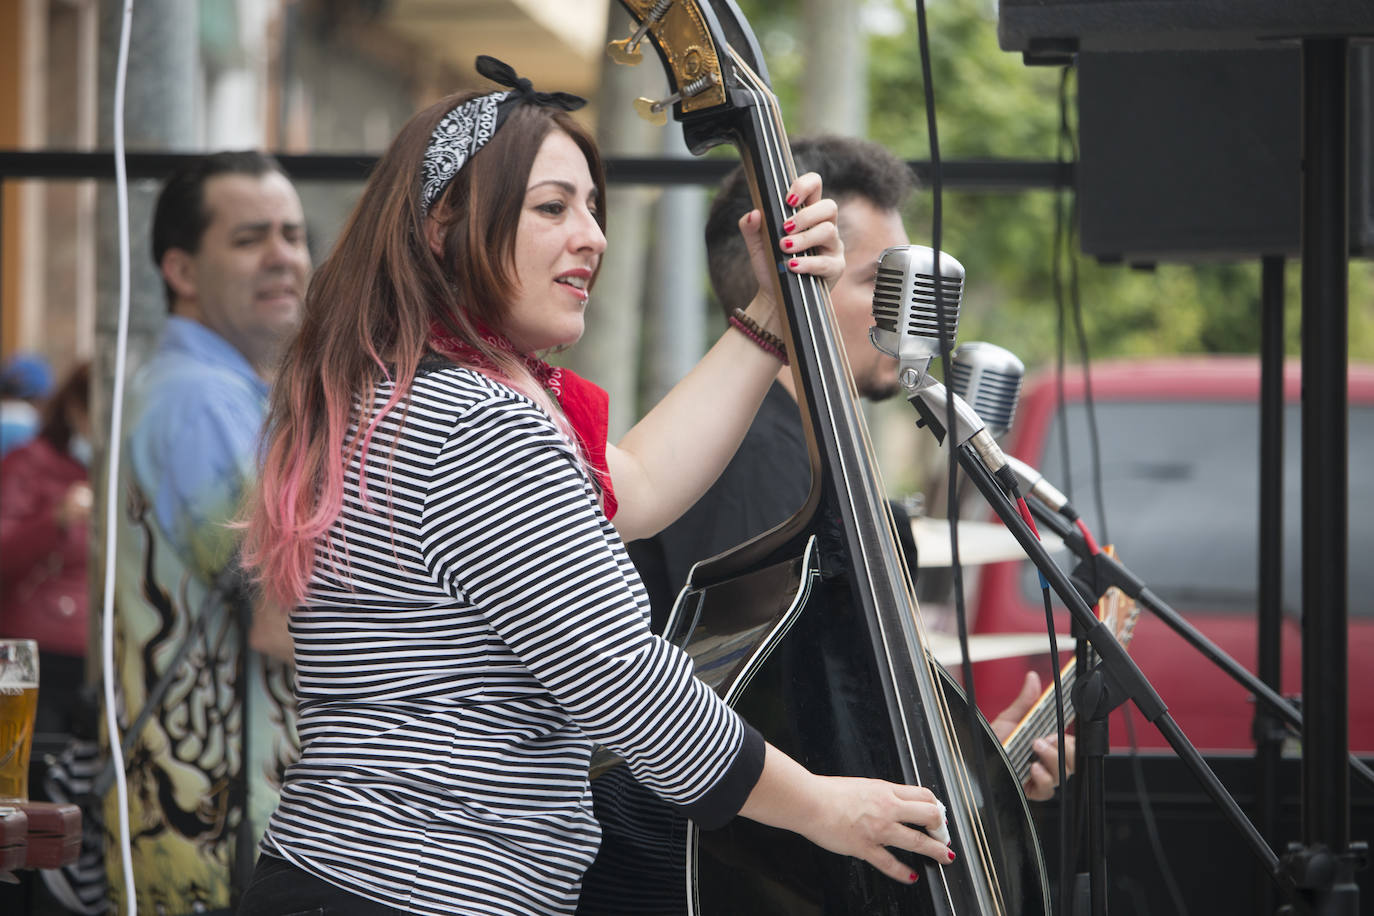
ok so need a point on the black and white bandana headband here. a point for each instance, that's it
(467, 128)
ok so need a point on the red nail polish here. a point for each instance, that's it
(793, 200)
(793, 263)
(951, 855)
(789, 226)
(787, 243)
(914, 878)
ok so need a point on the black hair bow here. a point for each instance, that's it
(501, 72)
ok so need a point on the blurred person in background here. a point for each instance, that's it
(208, 722)
(25, 382)
(45, 510)
(45, 516)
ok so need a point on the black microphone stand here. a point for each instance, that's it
(1096, 572)
(1114, 679)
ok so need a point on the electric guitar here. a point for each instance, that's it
(1120, 614)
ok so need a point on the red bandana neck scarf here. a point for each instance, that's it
(586, 405)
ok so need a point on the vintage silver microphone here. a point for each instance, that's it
(989, 378)
(906, 325)
(905, 317)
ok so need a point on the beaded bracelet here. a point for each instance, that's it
(769, 342)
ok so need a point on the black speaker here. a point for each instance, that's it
(1362, 150)
(1195, 155)
(1047, 29)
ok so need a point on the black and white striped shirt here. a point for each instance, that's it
(477, 628)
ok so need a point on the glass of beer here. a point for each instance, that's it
(18, 702)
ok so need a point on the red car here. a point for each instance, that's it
(1179, 460)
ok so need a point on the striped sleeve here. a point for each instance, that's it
(510, 523)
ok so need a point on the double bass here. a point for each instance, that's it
(811, 631)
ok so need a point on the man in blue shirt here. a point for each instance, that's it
(212, 722)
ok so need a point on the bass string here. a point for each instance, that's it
(780, 171)
(778, 160)
(962, 777)
(967, 794)
(770, 131)
(959, 780)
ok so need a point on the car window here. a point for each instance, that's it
(1180, 484)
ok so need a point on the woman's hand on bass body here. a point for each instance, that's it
(863, 817)
(851, 816)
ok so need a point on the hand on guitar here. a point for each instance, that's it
(849, 815)
(1044, 773)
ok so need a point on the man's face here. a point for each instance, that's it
(247, 280)
(866, 232)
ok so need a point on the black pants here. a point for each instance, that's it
(279, 888)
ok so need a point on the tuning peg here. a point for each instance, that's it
(657, 112)
(626, 50)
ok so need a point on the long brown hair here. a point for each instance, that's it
(368, 314)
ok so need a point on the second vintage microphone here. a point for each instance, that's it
(989, 378)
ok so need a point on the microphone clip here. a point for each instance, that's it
(926, 415)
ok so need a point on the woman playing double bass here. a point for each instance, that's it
(443, 513)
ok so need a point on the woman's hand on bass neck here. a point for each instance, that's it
(668, 459)
(811, 229)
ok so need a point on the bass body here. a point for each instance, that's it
(780, 643)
